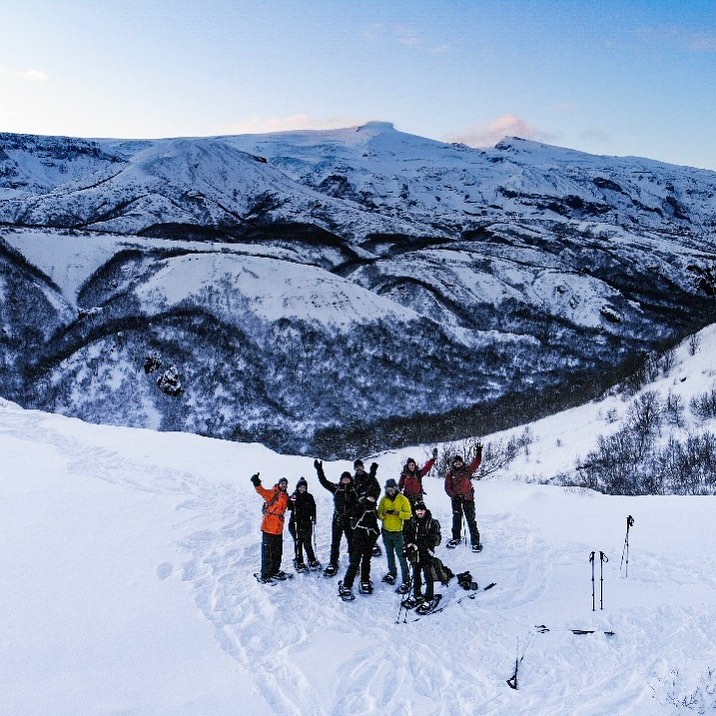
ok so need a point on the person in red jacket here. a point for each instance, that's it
(276, 504)
(411, 479)
(458, 485)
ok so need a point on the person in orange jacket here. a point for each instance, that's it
(274, 509)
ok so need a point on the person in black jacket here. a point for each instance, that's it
(302, 506)
(365, 534)
(421, 535)
(345, 501)
(366, 484)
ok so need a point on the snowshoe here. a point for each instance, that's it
(366, 587)
(404, 588)
(264, 580)
(331, 570)
(282, 576)
(477, 547)
(429, 605)
(300, 567)
(412, 602)
(345, 593)
(453, 543)
(377, 551)
(314, 565)
(389, 579)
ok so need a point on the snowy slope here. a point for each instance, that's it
(295, 278)
(127, 562)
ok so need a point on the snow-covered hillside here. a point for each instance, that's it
(339, 290)
(127, 580)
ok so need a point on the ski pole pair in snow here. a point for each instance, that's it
(602, 559)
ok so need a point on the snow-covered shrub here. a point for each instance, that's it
(169, 382)
(703, 406)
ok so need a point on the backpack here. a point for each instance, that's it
(266, 505)
(441, 572)
(434, 526)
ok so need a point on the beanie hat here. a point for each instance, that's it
(419, 505)
(358, 463)
(301, 481)
(282, 479)
(458, 457)
(346, 474)
(390, 482)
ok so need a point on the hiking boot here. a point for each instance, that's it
(345, 593)
(429, 605)
(331, 570)
(366, 587)
(389, 579)
(281, 575)
(313, 565)
(301, 567)
(377, 551)
(477, 547)
(453, 543)
(404, 588)
(412, 602)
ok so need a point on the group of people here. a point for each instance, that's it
(409, 531)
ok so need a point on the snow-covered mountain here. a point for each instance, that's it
(323, 291)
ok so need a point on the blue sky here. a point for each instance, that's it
(602, 76)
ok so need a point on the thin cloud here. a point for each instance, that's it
(408, 36)
(671, 34)
(29, 75)
(404, 35)
(263, 125)
(509, 125)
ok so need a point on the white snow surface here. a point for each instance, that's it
(127, 562)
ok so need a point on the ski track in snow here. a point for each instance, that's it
(448, 664)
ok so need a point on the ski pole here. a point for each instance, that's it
(512, 681)
(403, 597)
(625, 551)
(591, 559)
(602, 559)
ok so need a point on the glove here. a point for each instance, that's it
(318, 464)
(479, 450)
(373, 468)
(411, 552)
(435, 453)
(256, 479)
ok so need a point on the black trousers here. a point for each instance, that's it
(361, 553)
(302, 539)
(339, 527)
(462, 507)
(421, 569)
(271, 554)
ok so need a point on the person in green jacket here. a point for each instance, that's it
(394, 510)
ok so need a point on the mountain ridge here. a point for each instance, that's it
(342, 288)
